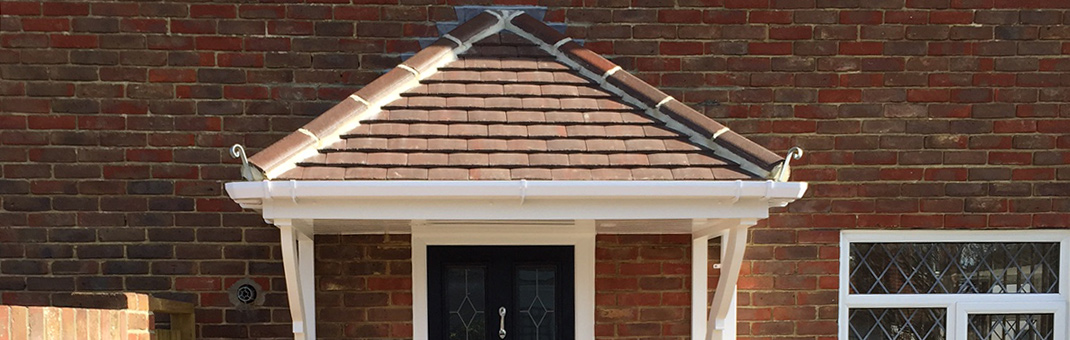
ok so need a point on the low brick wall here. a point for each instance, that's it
(84, 316)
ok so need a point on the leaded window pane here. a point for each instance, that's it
(466, 301)
(954, 268)
(897, 324)
(536, 286)
(1011, 327)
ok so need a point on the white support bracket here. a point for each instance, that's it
(721, 324)
(298, 260)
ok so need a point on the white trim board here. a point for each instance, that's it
(513, 200)
(581, 236)
(958, 306)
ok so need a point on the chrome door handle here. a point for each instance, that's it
(501, 324)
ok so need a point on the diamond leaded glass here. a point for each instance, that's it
(954, 268)
(466, 299)
(536, 286)
(1011, 327)
(897, 324)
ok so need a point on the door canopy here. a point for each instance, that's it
(505, 107)
(506, 130)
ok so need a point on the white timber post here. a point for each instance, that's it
(584, 276)
(722, 321)
(298, 258)
(700, 248)
(419, 286)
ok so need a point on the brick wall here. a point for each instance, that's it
(116, 116)
(642, 285)
(364, 286)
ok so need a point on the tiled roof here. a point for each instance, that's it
(504, 97)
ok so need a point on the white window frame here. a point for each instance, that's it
(958, 305)
(580, 235)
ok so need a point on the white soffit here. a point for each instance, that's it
(609, 226)
(513, 200)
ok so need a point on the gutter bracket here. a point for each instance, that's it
(248, 172)
(523, 191)
(783, 171)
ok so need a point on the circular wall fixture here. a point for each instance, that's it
(246, 293)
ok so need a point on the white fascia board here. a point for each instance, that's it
(769, 190)
(514, 199)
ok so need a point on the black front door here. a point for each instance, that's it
(500, 292)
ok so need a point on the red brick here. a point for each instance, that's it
(746, 3)
(65, 9)
(861, 17)
(46, 24)
(769, 48)
(951, 17)
(170, 43)
(928, 95)
(680, 48)
(906, 17)
(1010, 158)
(246, 92)
(680, 16)
(770, 17)
(385, 283)
(51, 122)
(198, 283)
(839, 96)
(20, 8)
(172, 76)
(356, 13)
(950, 48)
(193, 26)
(790, 33)
(218, 43)
(240, 60)
(212, 11)
(861, 48)
(148, 155)
(725, 17)
(290, 27)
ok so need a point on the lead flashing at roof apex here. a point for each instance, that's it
(467, 12)
(368, 101)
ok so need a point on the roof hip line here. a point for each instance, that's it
(751, 156)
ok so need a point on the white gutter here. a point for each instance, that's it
(513, 200)
(777, 193)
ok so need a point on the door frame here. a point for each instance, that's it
(578, 234)
(501, 263)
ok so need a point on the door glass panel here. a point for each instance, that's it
(897, 324)
(536, 287)
(1011, 327)
(466, 301)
